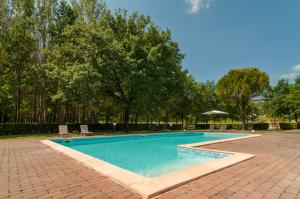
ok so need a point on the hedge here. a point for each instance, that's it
(255, 126)
(237, 126)
(260, 126)
(287, 126)
(14, 129)
(202, 126)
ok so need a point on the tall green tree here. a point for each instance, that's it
(282, 100)
(293, 99)
(241, 86)
(20, 51)
(134, 59)
(275, 102)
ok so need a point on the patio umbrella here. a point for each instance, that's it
(215, 112)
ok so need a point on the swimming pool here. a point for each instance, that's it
(149, 155)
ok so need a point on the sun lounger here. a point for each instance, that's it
(274, 126)
(85, 130)
(190, 127)
(223, 127)
(211, 127)
(63, 130)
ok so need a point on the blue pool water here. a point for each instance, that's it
(149, 155)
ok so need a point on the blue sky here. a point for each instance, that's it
(217, 35)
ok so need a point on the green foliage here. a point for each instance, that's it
(202, 126)
(260, 126)
(287, 126)
(237, 126)
(241, 86)
(283, 100)
(77, 62)
(15, 128)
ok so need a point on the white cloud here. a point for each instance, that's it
(296, 68)
(289, 76)
(194, 6)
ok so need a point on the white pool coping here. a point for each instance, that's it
(150, 187)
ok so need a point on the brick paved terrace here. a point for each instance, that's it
(29, 169)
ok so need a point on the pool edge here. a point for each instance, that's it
(150, 187)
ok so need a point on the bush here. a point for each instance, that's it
(217, 126)
(202, 126)
(260, 126)
(287, 126)
(229, 126)
(298, 125)
(13, 129)
(16, 129)
(237, 126)
(175, 127)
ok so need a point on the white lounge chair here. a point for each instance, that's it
(223, 127)
(63, 130)
(85, 130)
(190, 127)
(211, 127)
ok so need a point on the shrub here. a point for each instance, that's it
(202, 126)
(288, 126)
(261, 126)
(175, 127)
(13, 129)
(298, 125)
(229, 126)
(237, 126)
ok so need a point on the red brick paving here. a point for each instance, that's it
(273, 173)
(29, 169)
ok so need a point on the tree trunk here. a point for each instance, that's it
(107, 116)
(126, 119)
(18, 96)
(136, 119)
(17, 105)
(35, 107)
(166, 121)
(3, 113)
(182, 117)
(243, 119)
(44, 105)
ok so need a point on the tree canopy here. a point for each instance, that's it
(282, 101)
(241, 86)
(77, 61)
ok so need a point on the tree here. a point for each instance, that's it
(293, 99)
(134, 59)
(282, 101)
(241, 86)
(275, 100)
(20, 48)
(70, 71)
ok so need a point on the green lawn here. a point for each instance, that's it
(41, 136)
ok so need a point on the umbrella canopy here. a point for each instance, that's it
(215, 112)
